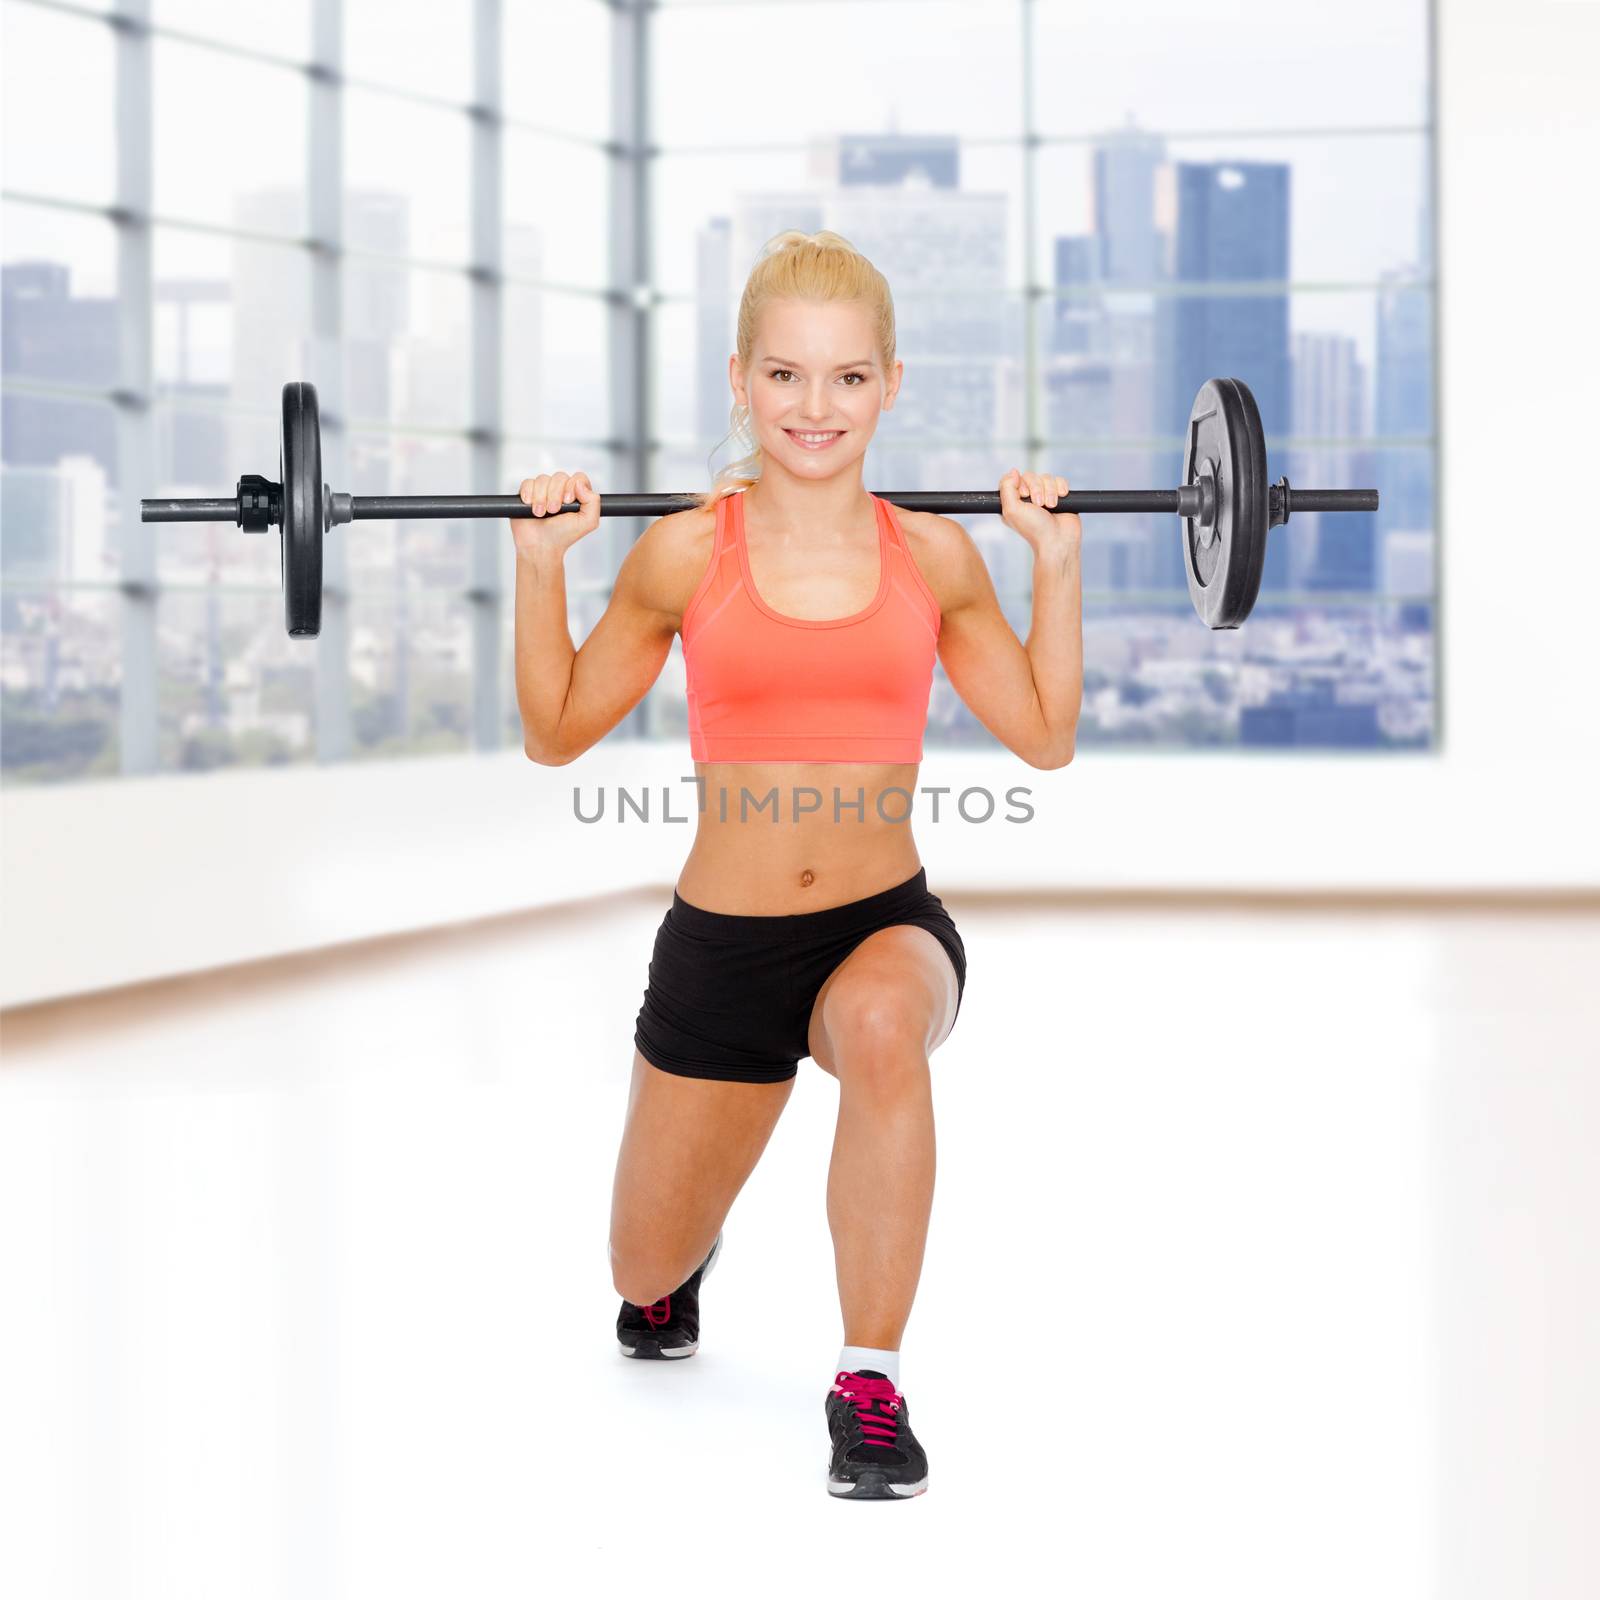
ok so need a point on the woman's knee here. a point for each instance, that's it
(877, 1028)
(642, 1280)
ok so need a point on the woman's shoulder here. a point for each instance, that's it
(943, 551)
(675, 551)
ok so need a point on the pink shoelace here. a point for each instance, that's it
(659, 1314)
(876, 1402)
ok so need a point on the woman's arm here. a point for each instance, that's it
(570, 699)
(1028, 696)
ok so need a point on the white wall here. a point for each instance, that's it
(113, 882)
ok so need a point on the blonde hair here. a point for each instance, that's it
(794, 265)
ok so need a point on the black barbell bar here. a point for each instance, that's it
(1225, 502)
(1186, 502)
(975, 502)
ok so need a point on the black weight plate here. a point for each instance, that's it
(300, 469)
(1224, 569)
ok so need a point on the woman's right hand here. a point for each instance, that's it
(550, 530)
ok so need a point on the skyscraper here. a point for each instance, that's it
(1340, 552)
(49, 333)
(1124, 171)
(1404, 400)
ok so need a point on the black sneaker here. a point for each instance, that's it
(875, 1454)
(671, 1327)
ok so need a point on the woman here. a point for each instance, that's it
(801, 924)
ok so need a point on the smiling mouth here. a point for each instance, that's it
(803, 436)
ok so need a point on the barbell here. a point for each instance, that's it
(1225, 503)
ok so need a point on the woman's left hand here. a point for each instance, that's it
(1032, 517)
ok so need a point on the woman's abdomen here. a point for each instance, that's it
(775, 840)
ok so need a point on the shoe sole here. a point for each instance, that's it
(649, 1349)
(872, 1485)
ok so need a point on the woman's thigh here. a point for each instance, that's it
(688, 1146)
(899, 979)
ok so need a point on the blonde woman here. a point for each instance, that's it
(801, 925)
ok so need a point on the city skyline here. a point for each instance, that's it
(1130, 322)
(1092, 346)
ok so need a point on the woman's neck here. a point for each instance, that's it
(785, 504)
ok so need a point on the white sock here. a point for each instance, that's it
(857, 1357)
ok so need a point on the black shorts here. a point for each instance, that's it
(731, 996)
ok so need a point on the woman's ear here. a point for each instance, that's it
(894, 385)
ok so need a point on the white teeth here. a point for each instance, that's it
(813, 438)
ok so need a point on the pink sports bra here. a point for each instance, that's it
(765, 687)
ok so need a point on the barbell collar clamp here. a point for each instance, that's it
(258, 503)
(1280, 502)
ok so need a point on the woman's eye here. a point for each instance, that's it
(784, 372)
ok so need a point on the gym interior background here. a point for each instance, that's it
(319, 995)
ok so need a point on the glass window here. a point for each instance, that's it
(60, 684)
(410, 674)
(1187, 208)
(691, 397)
(1346, 364)
(407, 345)
(421, 45)
(1256, 64)
(281, 29)
(1326, 676)
(232, 318)
(556, 203)
(415, 553)
(59, 320)
(556, 368)
(794, 70)
(1137, 208)
(58, 144)
(557, 68)
(60, 488)
(236, 690)
(715, 212)
(229, 139)
(407, 178)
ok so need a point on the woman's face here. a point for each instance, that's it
(815, 368)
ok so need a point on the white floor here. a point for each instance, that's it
(1265, 1261)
